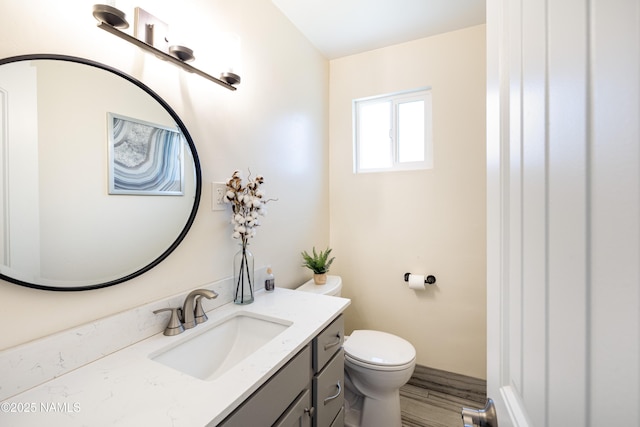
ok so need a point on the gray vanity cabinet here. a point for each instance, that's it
(308, 391)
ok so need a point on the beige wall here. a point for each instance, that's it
(275, 124)
(383, 225)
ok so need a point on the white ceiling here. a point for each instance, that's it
(345, 27)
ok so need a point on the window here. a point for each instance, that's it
(393, 132)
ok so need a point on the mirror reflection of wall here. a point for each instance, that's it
(60, 225)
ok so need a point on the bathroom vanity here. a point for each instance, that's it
(307, 391)
(296, 375)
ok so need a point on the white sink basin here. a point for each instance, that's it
(213, 349)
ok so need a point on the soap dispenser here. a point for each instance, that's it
(269, 281)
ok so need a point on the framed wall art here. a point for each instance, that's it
(144, 158)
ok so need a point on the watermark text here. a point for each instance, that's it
(39, 407)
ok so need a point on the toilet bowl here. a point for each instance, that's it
(376, 365)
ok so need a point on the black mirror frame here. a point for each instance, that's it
(192, 147)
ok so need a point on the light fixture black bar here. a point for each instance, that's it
(162, 54)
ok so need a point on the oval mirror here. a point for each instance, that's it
(99, 179)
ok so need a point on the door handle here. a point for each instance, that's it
(485, 417)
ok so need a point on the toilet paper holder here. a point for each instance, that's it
(429, 280)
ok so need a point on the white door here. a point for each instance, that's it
(563, 180)
(19, 194)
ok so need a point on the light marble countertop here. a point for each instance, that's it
(127, 388)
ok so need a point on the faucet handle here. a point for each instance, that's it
(174, 327)
(199, 314)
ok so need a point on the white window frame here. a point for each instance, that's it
(420, 94)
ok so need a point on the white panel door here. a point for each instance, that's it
(20, 203)
(563, 162)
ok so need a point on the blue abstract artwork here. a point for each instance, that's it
(144, 158)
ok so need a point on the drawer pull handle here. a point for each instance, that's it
(333, 343)
(335, 396)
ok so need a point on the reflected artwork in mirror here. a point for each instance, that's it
(71, 129)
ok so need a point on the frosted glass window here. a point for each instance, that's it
(393, 132)
(375, 148)
(411, 131)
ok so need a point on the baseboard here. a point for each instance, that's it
(450, 383)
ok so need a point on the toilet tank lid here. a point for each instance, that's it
(332, 287)
(379, 348)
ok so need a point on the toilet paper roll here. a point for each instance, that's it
(416, 282)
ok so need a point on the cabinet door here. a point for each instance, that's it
(266, 405)
(328, 389)
(299, 413)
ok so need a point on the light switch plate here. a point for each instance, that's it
(218, 190)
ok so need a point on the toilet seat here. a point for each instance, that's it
(379, 351)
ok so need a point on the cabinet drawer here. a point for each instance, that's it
(299, 413)
(339, 420)
(327, 343)
(328, 389)
(267, 404)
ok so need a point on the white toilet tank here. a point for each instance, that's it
(333, 287)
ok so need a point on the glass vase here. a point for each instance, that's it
(243, 276)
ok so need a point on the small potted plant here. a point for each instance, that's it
(319, 263)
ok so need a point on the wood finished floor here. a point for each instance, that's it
(435, 398)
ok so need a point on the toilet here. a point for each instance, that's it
(376, 365)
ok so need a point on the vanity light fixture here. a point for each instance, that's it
(183, 53)
(111, 20)
(231, 78)
(229, 51)
(110, 15)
